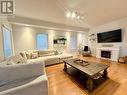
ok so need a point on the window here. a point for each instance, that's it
(42, 41)
(73, 42)
(7, 42)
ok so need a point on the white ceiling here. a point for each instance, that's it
(96, 12)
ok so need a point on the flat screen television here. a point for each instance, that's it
(110, 36)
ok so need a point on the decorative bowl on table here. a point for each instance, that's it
(81, 62)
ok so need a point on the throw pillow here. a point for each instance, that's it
(16, 59)
(56, 52)
(6, 63)
(29, 55)
(34, 55)
(23, 54)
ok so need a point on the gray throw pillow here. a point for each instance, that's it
(56, 52)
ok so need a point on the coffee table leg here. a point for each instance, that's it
(105, 73)
(90, 84)
(65, 66)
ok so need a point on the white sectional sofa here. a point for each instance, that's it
(19, 77)
(24, 74)
(49, 57)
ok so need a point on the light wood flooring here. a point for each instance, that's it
(60, 83)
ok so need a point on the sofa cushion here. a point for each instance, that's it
(32, 86)
(6, 63)
(64, 55)
(17, 59)
(43, 53)
(49, 58)
(20, 71)
(42, 59)
(52, 59)
(39, 59)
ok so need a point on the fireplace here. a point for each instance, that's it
(105, 54)
(104, 51)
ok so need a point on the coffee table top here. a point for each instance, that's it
(91, 69)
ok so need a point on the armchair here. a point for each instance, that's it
(86, 52)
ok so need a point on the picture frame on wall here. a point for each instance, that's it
(60, 40)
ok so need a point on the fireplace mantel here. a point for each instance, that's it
(108, 48)
(114, 52)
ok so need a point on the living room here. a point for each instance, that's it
(41, 44)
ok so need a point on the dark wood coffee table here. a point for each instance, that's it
(90, 70)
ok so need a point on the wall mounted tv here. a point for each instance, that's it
(110, 36)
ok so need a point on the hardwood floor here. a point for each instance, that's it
(60, 83)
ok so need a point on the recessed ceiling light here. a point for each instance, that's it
(68, 14)
(73, 15)
(78, 17)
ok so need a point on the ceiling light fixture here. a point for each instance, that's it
(74, 15)
(68, 14)
(78, 17)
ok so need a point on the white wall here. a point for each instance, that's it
(107, 27)
(25, 38)
(82, 38)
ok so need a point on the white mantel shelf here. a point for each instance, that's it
(108, 48)
(114, 52)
